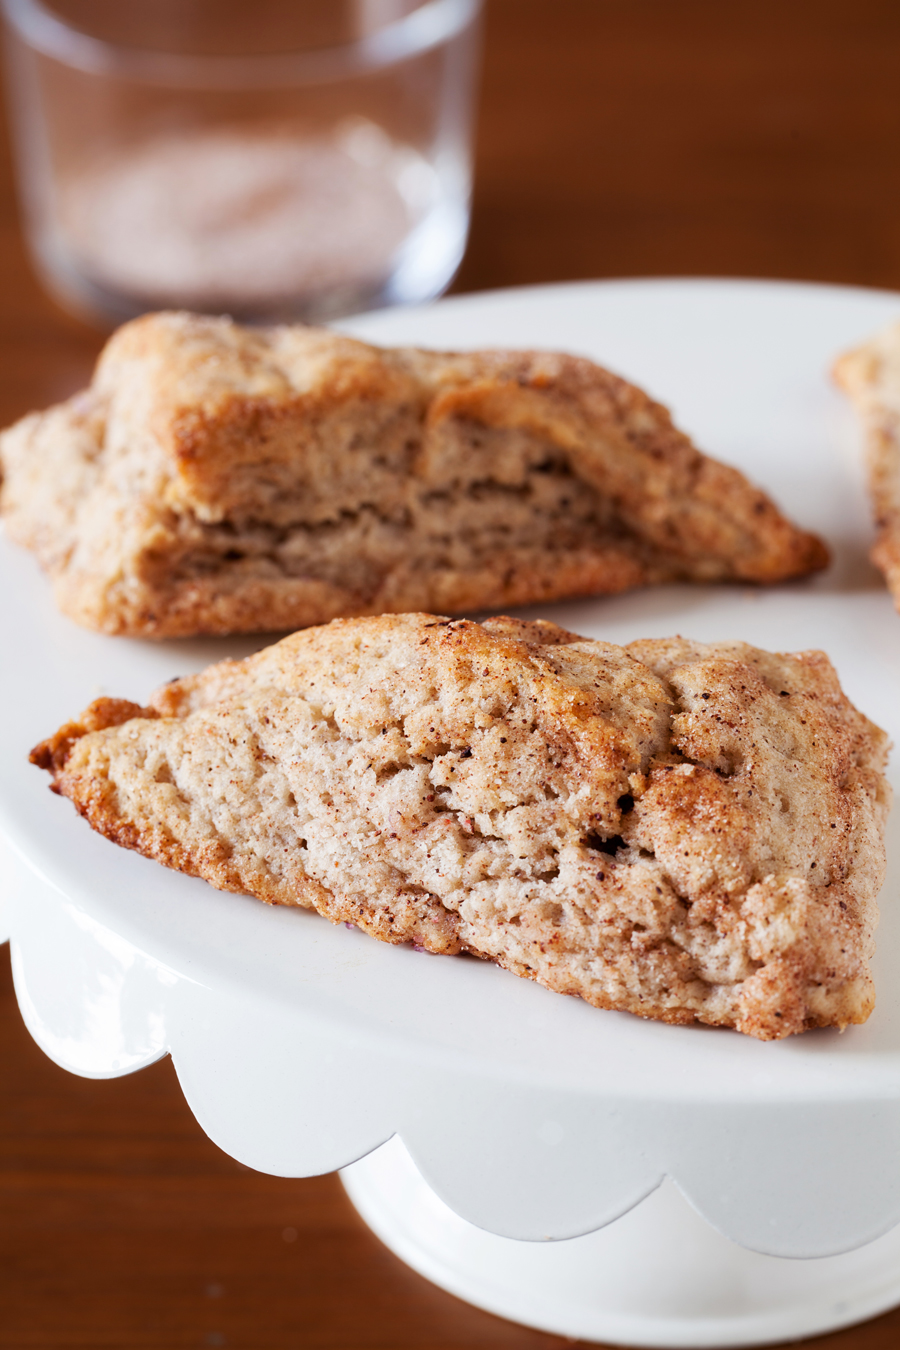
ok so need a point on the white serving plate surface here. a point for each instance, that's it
(744, 367)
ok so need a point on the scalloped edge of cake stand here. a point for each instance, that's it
(659, 1276)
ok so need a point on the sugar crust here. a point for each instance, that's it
(870, 375)
(683, 831)
(218, 479)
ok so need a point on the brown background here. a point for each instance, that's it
(617, 138)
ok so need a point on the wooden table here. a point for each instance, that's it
(617, 138)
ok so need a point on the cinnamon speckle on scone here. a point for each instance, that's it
(687, 832)
(870, 374)
(218, 479)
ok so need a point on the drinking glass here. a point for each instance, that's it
(286, 159)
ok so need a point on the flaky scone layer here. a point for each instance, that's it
(870, 374)
(216, 479)
(683, 831)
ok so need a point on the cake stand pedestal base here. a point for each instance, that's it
(658, 1276)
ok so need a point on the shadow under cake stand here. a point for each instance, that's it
(587, 1173)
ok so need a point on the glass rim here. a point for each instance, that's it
(429, 25)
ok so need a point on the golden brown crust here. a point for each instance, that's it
(870, 375)
(216, 479)
(53, 753)
(683, 831)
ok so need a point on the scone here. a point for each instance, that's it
(218, 479)
(685, 832)
(871, 376)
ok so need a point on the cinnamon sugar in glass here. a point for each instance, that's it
(280, 159)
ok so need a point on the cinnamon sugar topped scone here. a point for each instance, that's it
(678, 830)
(871, 376)
(217, 479)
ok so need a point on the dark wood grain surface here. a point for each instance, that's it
(617, 138)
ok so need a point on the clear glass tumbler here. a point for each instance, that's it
(281, 159)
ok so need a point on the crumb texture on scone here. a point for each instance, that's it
(870, 374)
(217, 479)
(678, 830)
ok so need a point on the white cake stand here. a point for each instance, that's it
(485, 1118)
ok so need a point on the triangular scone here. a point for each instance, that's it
(218, 479)
(871, 376)
(676, 830)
